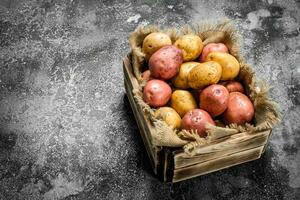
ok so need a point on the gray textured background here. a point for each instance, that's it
(66, 128)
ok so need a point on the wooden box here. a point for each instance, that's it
(173, 165)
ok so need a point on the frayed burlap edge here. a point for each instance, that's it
(267, 113)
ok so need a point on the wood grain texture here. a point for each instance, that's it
(233, 144)
(268, 140)
(217, 164)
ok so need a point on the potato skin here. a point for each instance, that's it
(155, 41)
(191, 46)
(146, 75)
(169, 115)
(211, 47)
(196, 120)
(230, 65)
(180, 80)
(164, 63)
(157, 93)
(204, 74)
(239, 110)
(234, 86)
(214, 99)
(182, 101)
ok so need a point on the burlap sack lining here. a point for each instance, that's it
(266, 111)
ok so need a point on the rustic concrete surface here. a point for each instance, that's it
(67, 131)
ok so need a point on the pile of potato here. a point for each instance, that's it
(191, 85)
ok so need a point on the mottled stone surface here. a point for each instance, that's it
(66, 128)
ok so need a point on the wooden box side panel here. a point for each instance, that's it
(216, 164)
(233, 144)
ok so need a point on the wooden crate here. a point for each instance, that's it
(172, 164)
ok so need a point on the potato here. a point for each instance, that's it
(197, 119)
(230, 65)
(212, 47)
(157, 93)
(164, 63)
(204, 74)
(146, 75)
(169, 115)
(214, 99)
(180, 81)
(233, 86)
(155, 41)
(182, 101)
(239, 110)
(191, 46)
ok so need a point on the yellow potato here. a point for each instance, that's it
(155, 41)
(191, 46)
(169, 115)
(204, 74)
(180, 81)
(182, 101)
(230, 65)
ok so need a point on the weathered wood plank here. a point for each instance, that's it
(217, 164)
(143, 124)
(233, 144)
(268, 140)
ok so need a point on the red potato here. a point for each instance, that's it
(157, 93)
(146, 75)
(239, 110)
(233, 86)
(214, 99)
(197, 119)
(164, 63)
(219, 47)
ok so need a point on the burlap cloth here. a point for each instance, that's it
(266, 111)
